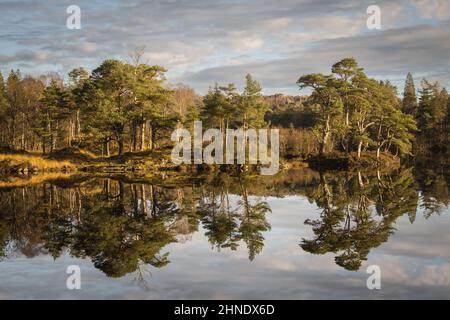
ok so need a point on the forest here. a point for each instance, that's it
(122, 107)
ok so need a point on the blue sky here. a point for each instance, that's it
(203, 42)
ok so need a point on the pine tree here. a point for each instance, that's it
(427, 95)
(3, 111)
(393, 129)
(252, 108)
(447, 124)
(111, 81)
(438, 118)
(409, 104)
(214, 111)
(326, 99)
(14, 95)
(432, 114)
(78, 82)
(48, 116)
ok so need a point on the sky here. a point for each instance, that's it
(202, 42)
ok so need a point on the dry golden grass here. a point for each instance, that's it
(12, 160)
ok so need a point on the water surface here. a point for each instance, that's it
(298, 235)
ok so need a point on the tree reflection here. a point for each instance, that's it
(229, 223)
(120, 226)
(358, 214)
(126, 225)
(253, 223)
(434, 185)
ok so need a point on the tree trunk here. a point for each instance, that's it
(107, 188)
(134, 136)
(55, 136)
(325, 135)
(153, 136)
(360, 149)
(143, 199)
(69, 142)
(360, 180)
(79, 204)
(120, 142)
(106, 148)
(323, 148)
(32, 142)
(13, 133)
(142, 143)
(22, 138)
(121, 191)
(77, 125)
(150, 142)
(134, 194)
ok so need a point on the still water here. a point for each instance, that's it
(298, 235)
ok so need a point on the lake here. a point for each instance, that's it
(298, 235)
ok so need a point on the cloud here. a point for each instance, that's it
(278, 23)
(241, 41)
(422, 50)
(431, 9)
(208, 41)
(436, 275)
(26, 56)
(325, 27)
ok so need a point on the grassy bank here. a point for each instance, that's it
(74, 159)
(25, 163)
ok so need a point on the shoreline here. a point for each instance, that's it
(72, 160)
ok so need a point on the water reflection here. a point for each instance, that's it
(125, 225)
(121, 226)
(357, 214)
(226, 224)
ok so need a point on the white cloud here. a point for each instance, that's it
(204, 42)
(436, 275)
(241, 41)
(278, 23)
(88, 47)
(41, 55)
(430, 9)
(326, 27)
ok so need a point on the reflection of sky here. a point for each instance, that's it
(415, 263)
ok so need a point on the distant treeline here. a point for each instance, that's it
(121, 107)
